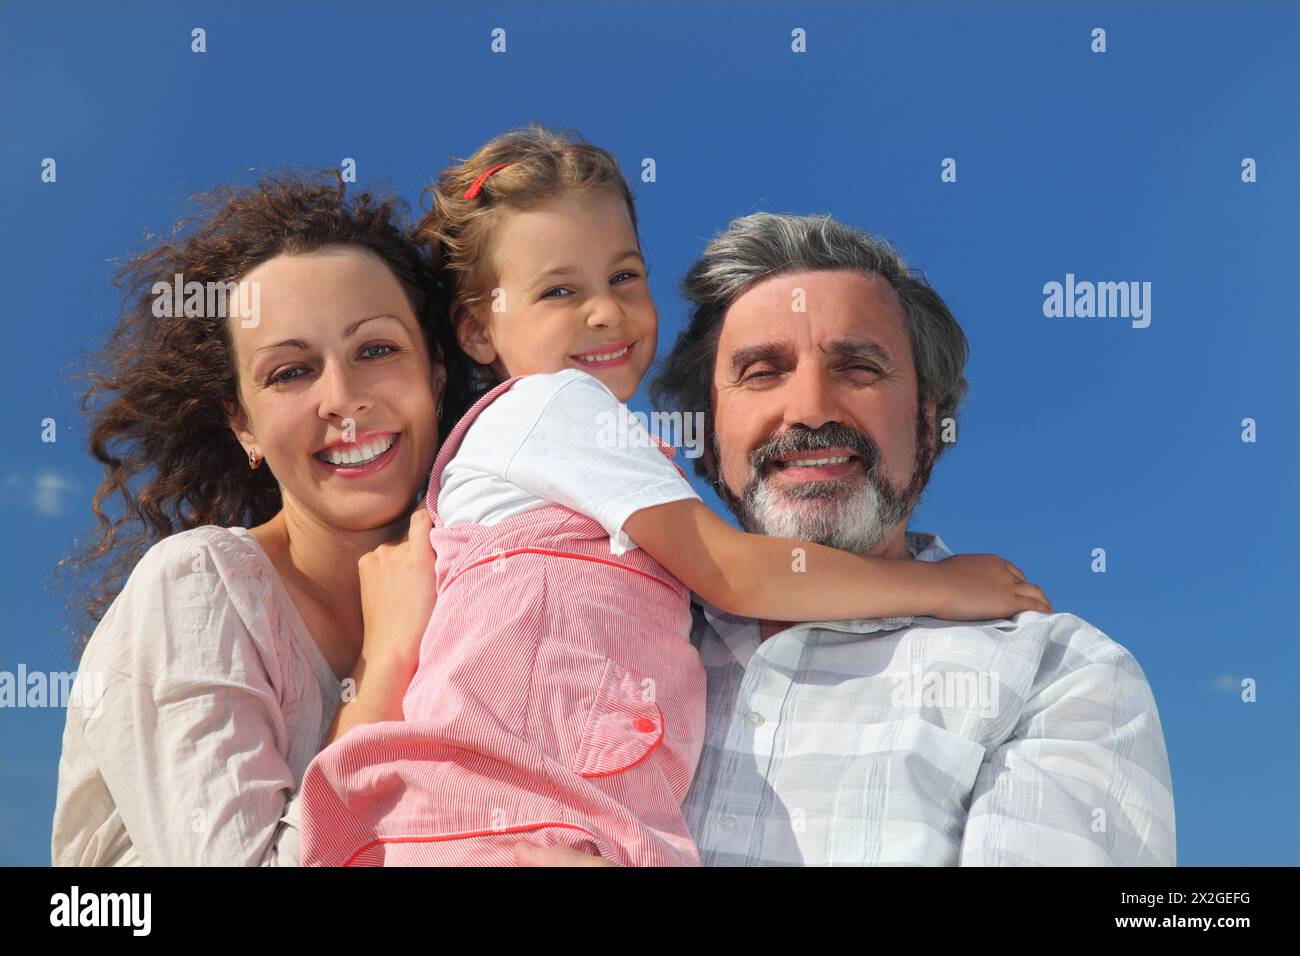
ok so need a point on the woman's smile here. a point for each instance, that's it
(360, 458)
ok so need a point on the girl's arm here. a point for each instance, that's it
(760, 576)
(397, 599)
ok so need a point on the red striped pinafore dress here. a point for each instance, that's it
(558, 701)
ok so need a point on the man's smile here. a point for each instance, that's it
(814, 464)
(822, 465)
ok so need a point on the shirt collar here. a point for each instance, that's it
(740, 634)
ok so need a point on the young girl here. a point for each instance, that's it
(558, 698)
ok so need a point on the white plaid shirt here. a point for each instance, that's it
(906, 741)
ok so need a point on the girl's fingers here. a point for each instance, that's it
(1019, 575)
(1033, 604)
(1035, 596)
(1033, 593)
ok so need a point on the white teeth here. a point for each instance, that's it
(358, 454)
(808, 462)
(605, 357)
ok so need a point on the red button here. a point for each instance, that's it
(645, 725)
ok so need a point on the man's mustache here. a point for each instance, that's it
(799, 438)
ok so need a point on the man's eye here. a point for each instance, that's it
(866, 368)
(764, 374)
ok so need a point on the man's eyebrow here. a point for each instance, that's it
(348, 332)
(859, 348)
(747, 355)
(569, 269)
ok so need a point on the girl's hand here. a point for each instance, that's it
(981, 587)
(398, 594)
(526, 854)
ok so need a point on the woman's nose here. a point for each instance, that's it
(342, 394)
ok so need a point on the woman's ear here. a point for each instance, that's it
(238, 421)
(438, 383)
(473, 340)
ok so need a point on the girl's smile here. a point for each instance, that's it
(610, 355)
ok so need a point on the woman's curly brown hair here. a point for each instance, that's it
(160, 387)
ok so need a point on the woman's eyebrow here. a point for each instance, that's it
(351, 330)
(348, 332)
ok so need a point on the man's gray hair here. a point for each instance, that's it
(763, 245)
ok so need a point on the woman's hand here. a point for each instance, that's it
(398, 593)
(978, 587)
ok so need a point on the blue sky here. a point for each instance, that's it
(1078, 433)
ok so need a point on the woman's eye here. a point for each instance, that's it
(284, 376)
(368, 348)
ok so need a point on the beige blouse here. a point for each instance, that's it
(203, 699)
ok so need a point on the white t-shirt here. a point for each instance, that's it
(558, 438)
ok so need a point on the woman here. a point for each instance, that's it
(270, 462)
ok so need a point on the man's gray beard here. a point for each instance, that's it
(854, 518)
(862, 509)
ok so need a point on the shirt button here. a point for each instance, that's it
(727, 823)
(645, 725)
(756, 718)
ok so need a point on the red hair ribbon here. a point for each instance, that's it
(478, 183)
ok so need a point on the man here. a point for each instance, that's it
(826, 371)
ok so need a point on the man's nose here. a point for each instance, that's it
(342, 393)
(810, 399)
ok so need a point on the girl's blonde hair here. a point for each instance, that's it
(541, 165)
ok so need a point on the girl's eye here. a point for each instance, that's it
(632, 275)
(547, 294)
(391, 348)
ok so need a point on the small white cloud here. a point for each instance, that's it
(49, 491)
(1227, 683)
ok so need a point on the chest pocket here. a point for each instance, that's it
(623, 728)
(925, 748)
(906, 790)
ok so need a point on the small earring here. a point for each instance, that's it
(253, 460)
